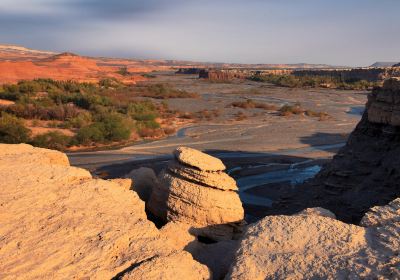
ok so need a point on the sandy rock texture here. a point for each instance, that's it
(195, 190)
(316, 247)
(382, 215)
(317, 211)
(198, 159)
(57, 222)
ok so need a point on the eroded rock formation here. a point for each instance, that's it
(195, 190)
(222, 75)
(365, 172)
(57, 222)
(316, 247)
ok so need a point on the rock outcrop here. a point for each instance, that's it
(382, 215)
(372, 74)
(365, 172)
(195, 190)
(57, 222)
(316, 247)
(222, 75)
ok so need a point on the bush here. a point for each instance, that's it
(123, 71)
(52, 140)
(91, 134)
(108, 127)
(251, 104)
(110, 83)
(12, 130)
(150, 133)
(287, 110)
(83, 119)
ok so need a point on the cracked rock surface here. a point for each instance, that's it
(57, 222)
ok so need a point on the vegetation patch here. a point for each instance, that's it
(292, 81)
(297, 109)
(163, 91)
(102, 113)
(251, 104)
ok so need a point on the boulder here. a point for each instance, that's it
(195, 190)
(57, 222)
(198, 160)
(315, 247)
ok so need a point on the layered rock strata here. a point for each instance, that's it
(195, 190)
(316, 247)
(57, 222)
(365, 172)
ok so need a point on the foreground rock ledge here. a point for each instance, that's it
(57, 222)
(316, 247)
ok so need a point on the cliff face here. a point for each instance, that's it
(368, 74)
(365, 172)
(222, 75)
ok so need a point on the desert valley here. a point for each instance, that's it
(115, 167)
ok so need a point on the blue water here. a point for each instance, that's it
(294, 175)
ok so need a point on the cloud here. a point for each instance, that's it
(120, 8)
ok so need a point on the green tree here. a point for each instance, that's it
(13, 130)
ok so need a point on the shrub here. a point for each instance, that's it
(320, 115)
(89, 134)
(150, 132)
(110, 83)
(115, 127)
(123, 71)
(251, 104)
(12, 130)
(83, 119)
(163, 91)
(287, 110)
(52, 140)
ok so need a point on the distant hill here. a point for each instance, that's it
(384, 64)
(396, 65)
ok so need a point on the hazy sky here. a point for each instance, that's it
(340, 32)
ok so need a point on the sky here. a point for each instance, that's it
(337, 32)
